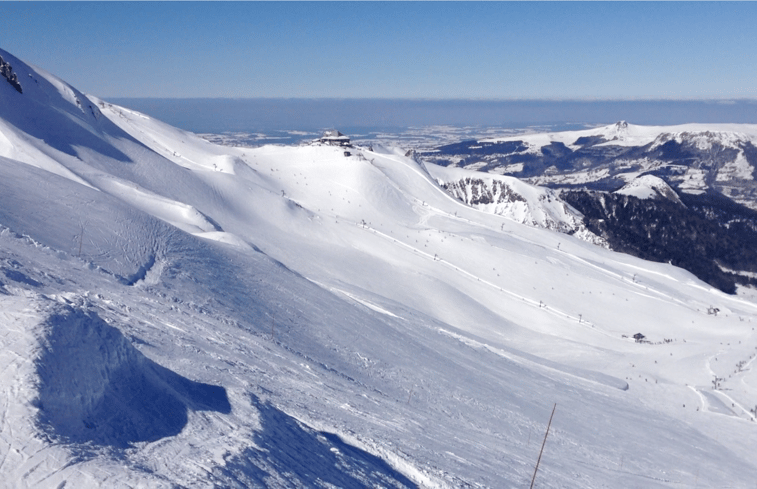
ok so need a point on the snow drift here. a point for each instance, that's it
(95, 386)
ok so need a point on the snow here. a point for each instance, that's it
(206, 316)
(576, 178)
(703, 138)
(504, 170)
(625, 134)
(693, 181)
(649, 187)
(514, 199)
(738, 169)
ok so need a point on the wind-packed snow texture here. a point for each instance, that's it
(179, 314)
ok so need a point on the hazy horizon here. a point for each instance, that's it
(309, 114)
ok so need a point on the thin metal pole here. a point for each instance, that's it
(542, 446)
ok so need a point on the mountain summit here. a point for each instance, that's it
(649, 187)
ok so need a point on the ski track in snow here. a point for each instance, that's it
(719, 392)
(471, 276)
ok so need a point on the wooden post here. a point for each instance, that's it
(542, 446)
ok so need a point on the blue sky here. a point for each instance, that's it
(449, 50)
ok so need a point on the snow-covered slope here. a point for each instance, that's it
(179, 314)
(514, 199)
(649, 187)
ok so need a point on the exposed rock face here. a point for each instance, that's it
(6, 71)
(474, 191)
(521, 202)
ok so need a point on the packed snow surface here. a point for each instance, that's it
(179, 314)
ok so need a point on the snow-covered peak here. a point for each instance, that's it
(649, 187)
(703, 140)
(50, 121)
(624, 134)
(39, 86)
(514, 199)
(620, 129)
(620, 133)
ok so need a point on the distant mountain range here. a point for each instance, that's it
(681, 194)
(692, 158)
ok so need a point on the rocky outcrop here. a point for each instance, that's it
(6, 71)
(520, 202)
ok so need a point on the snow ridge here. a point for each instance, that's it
(649, 187)
(509, 197)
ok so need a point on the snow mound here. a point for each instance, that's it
(649, 187)
(95, 386)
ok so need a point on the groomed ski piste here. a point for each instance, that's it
(179, 314)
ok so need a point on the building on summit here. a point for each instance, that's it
(335, 138)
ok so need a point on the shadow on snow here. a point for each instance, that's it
(291, 454)
(94, 386)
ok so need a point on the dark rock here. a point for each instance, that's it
(6, 71)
